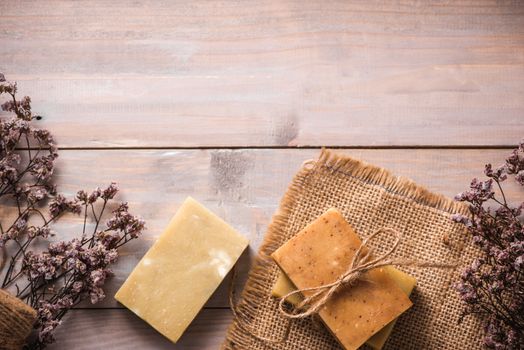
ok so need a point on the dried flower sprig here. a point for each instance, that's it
(56, 279)
(69, 271)
(493, 285)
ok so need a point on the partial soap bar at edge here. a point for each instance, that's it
(180, 272)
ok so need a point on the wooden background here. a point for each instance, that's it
(224, 100)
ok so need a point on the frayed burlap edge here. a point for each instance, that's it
(236, 337)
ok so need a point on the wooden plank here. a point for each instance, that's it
(120, 329)
(269, 73)
(242, 186)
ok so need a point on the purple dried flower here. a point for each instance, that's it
(42, 168)
(463, 219)
(125, 222)
(60, 204)
(47, 329)
(97, 277)
(77, 286)
(18, 227)
(96, 294)
(493, 286)
(54, 280)
(519, 263)
(82, 196)
(497, 174)
(515, 163)
(35, 194)
(520, 177)
(94, 195)
(40, 231)
(110, 191)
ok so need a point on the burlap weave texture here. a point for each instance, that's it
(16, 321)
(370, 198)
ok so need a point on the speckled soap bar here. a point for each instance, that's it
(407, 283)
(320, 253)
(182, 269)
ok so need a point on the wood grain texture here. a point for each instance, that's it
(269, 73)
(120, 329)
(175, 74)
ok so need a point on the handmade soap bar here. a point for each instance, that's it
(182, 269)
(284, 286)
(407, 283)
(318, 255)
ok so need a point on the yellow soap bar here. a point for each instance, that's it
(284, 286)
(320, 253)
(182, 269)
(407, 283)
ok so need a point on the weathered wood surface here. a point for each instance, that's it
(242, 186)
(269, 73)
(120, 329)
(243, 74)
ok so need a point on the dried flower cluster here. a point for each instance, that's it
(54, 280)
(493, 286)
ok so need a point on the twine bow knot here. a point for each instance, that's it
(361, 263)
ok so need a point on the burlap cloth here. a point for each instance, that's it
(16, 321)
(370, 198)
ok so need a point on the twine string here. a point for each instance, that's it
(16, 321)
(361, 263)
(244, 323)
(309, 164)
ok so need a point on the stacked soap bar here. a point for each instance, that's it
(323, 251)
(182, 269)
(284, 286)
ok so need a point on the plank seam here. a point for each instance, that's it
(377, 147)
